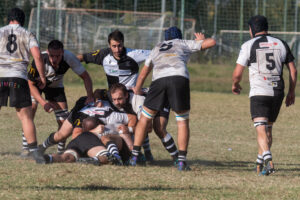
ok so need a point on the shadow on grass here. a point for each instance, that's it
(97, 187)
(10, 153)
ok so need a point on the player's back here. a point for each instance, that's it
(265, 56)
(15, 44)
(170, 57)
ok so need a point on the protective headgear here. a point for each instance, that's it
(173, 33)
(258, 24)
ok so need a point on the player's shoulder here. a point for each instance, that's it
(130, 51)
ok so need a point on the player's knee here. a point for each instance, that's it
(61, 115)
(70, 156)
(182, 116)
(147, 114)
(260, 123)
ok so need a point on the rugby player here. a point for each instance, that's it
(170, 83)
(121, 65)
(265, 55)
(88, 144)
(114, 122)
(57, 62)
(15, 47)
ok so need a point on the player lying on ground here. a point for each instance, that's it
(114, 121)
(89, 144)
(57, 62)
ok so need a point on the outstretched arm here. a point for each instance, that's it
(290, 97)
(236, 79)
(207, 42)
(141, 79)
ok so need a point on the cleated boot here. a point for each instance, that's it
(93, 161)
(182, 166)
(268, 169)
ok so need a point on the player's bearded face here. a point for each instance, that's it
(55, 56)
(119, 99)
(116, 48)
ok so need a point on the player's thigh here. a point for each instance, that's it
(18, 92)
(95, 151)
(156, 97)
(260, 106)
(178, 93)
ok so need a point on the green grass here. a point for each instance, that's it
(203, 77)
(218, 121)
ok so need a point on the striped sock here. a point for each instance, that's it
(146, 144)
(136, 151)
(49, 141)
(267, 156)
(61, 147)
(24, 142)
(112, 148)
(182, 156)
(259, 160)
(170, 145)
(32, 147)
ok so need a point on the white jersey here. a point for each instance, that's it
(170, 57)
(106, 114)
(15, 45)
(265, 56)
(54, 77)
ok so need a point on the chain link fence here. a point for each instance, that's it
(83, 25)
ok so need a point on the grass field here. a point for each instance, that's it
(221, 154)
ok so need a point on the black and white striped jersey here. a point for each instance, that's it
(15, 45)
(123, 71)
(54, 77)
(265, 56)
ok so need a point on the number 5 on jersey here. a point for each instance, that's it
(268, 61)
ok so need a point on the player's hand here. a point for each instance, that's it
(199, 36)
(42, 83)
(236, 88)
(98, 103)
(122, 129)
(290, 99)
(89, 100)
(48, 107)
(99, 129)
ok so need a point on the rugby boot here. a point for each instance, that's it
(268, 169)
(149, 156)
(25, 154)
(38, 157)
(182, 166)
(133, 161)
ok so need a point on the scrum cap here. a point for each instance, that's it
(258, 24)
(173, 33)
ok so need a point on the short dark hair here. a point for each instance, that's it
(116, 35)
(90, 123)
(173, 33)
(258, 24)
(55, 45)
(118, 86)
(16, 14)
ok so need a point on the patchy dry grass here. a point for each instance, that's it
(221, 154)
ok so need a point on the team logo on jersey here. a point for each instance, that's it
(266, 44)
(96, 52)
(32, 71)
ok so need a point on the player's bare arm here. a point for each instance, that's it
(290, 97)
(48, 107)
(236, 79)
(141, 79)
(36, 54)
(88, 86)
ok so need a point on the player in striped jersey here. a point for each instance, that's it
(265, 56)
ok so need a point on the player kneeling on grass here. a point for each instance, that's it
(265, 55)
(170, 83)
(88, 147)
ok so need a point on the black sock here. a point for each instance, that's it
(32, 146)
(170, 145)
(182, 156)
(49, 141)
(136, 150)
(112, 148)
